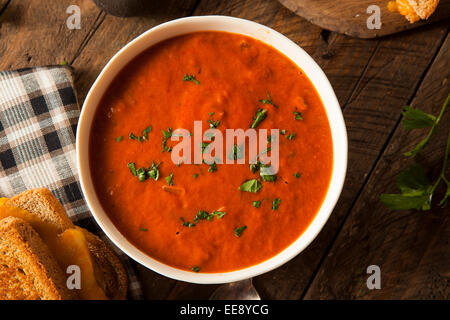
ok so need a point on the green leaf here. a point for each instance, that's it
(252, 185)
(415, 188)
(190, 77)
(298, 115)
(276, 203)
(238, 231)
(169, 180)
(290, 136)
(132, 167)
(268, 100)
(297, 175)
(119, 138)
(196, 269)
(256, 204)
(405, 202)
(415, 118)
(413, 181)
(261, 114)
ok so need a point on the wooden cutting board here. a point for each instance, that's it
(350, 16)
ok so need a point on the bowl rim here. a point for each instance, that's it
(233, 25)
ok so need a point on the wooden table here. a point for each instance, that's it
(373, 80)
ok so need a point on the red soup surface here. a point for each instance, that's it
(197, 219)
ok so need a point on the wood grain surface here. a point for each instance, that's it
(373, 80)
(350, 16)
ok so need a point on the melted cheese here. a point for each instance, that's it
(405, 9)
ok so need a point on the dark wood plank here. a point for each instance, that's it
(411, 248)
(35, 32)
(350, 16)
(114, 32)
(111, 34)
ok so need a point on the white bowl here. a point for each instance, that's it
(234, 25)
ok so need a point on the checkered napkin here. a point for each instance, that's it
(38, 119)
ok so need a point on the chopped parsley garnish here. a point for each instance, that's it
(254, 167)
(256, 204)
(196, 269)
(190, 77)
(212, 123)
(237, 153)
(133, 137)
(142, 138)
(169, 180)
(119, 138)
(252, 185)
(205, 147)
(143, 229)
(261, 114)
(187, 223)
(269, 177)
(145, 132)
(195, 175)
(268, 100)
(166, 136)
(144, 173)
(298, 115)
(276, 203)
(290, 136)
(238, 231)
(297, 175)
(212, 167)
(282, 131)
(132, 167)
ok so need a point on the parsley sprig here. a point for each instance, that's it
(190, 77)
(416, 191)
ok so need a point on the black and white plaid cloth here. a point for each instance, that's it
(38, 118)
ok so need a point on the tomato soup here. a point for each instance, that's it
(198, 217)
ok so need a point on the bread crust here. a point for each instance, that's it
(110, 273)
(29, 271)
(424, 8)
(42, 203)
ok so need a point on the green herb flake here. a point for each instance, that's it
(190, 77)
(290, 136)
(132, 167)
(252, 185)
(261, 114)
(195, 175)
(119, 138)
(212, 167)
(256, 204)
(238, 231)
(268, 100)
(196, 269)
(276, 203)
(169, 180)
(143, 229)
(297, 175)
(166, 136)
(298, 115)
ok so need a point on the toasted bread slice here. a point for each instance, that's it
(424, 8)
(27, 268)
(113, 277)
(109, 271)
(44, 205)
